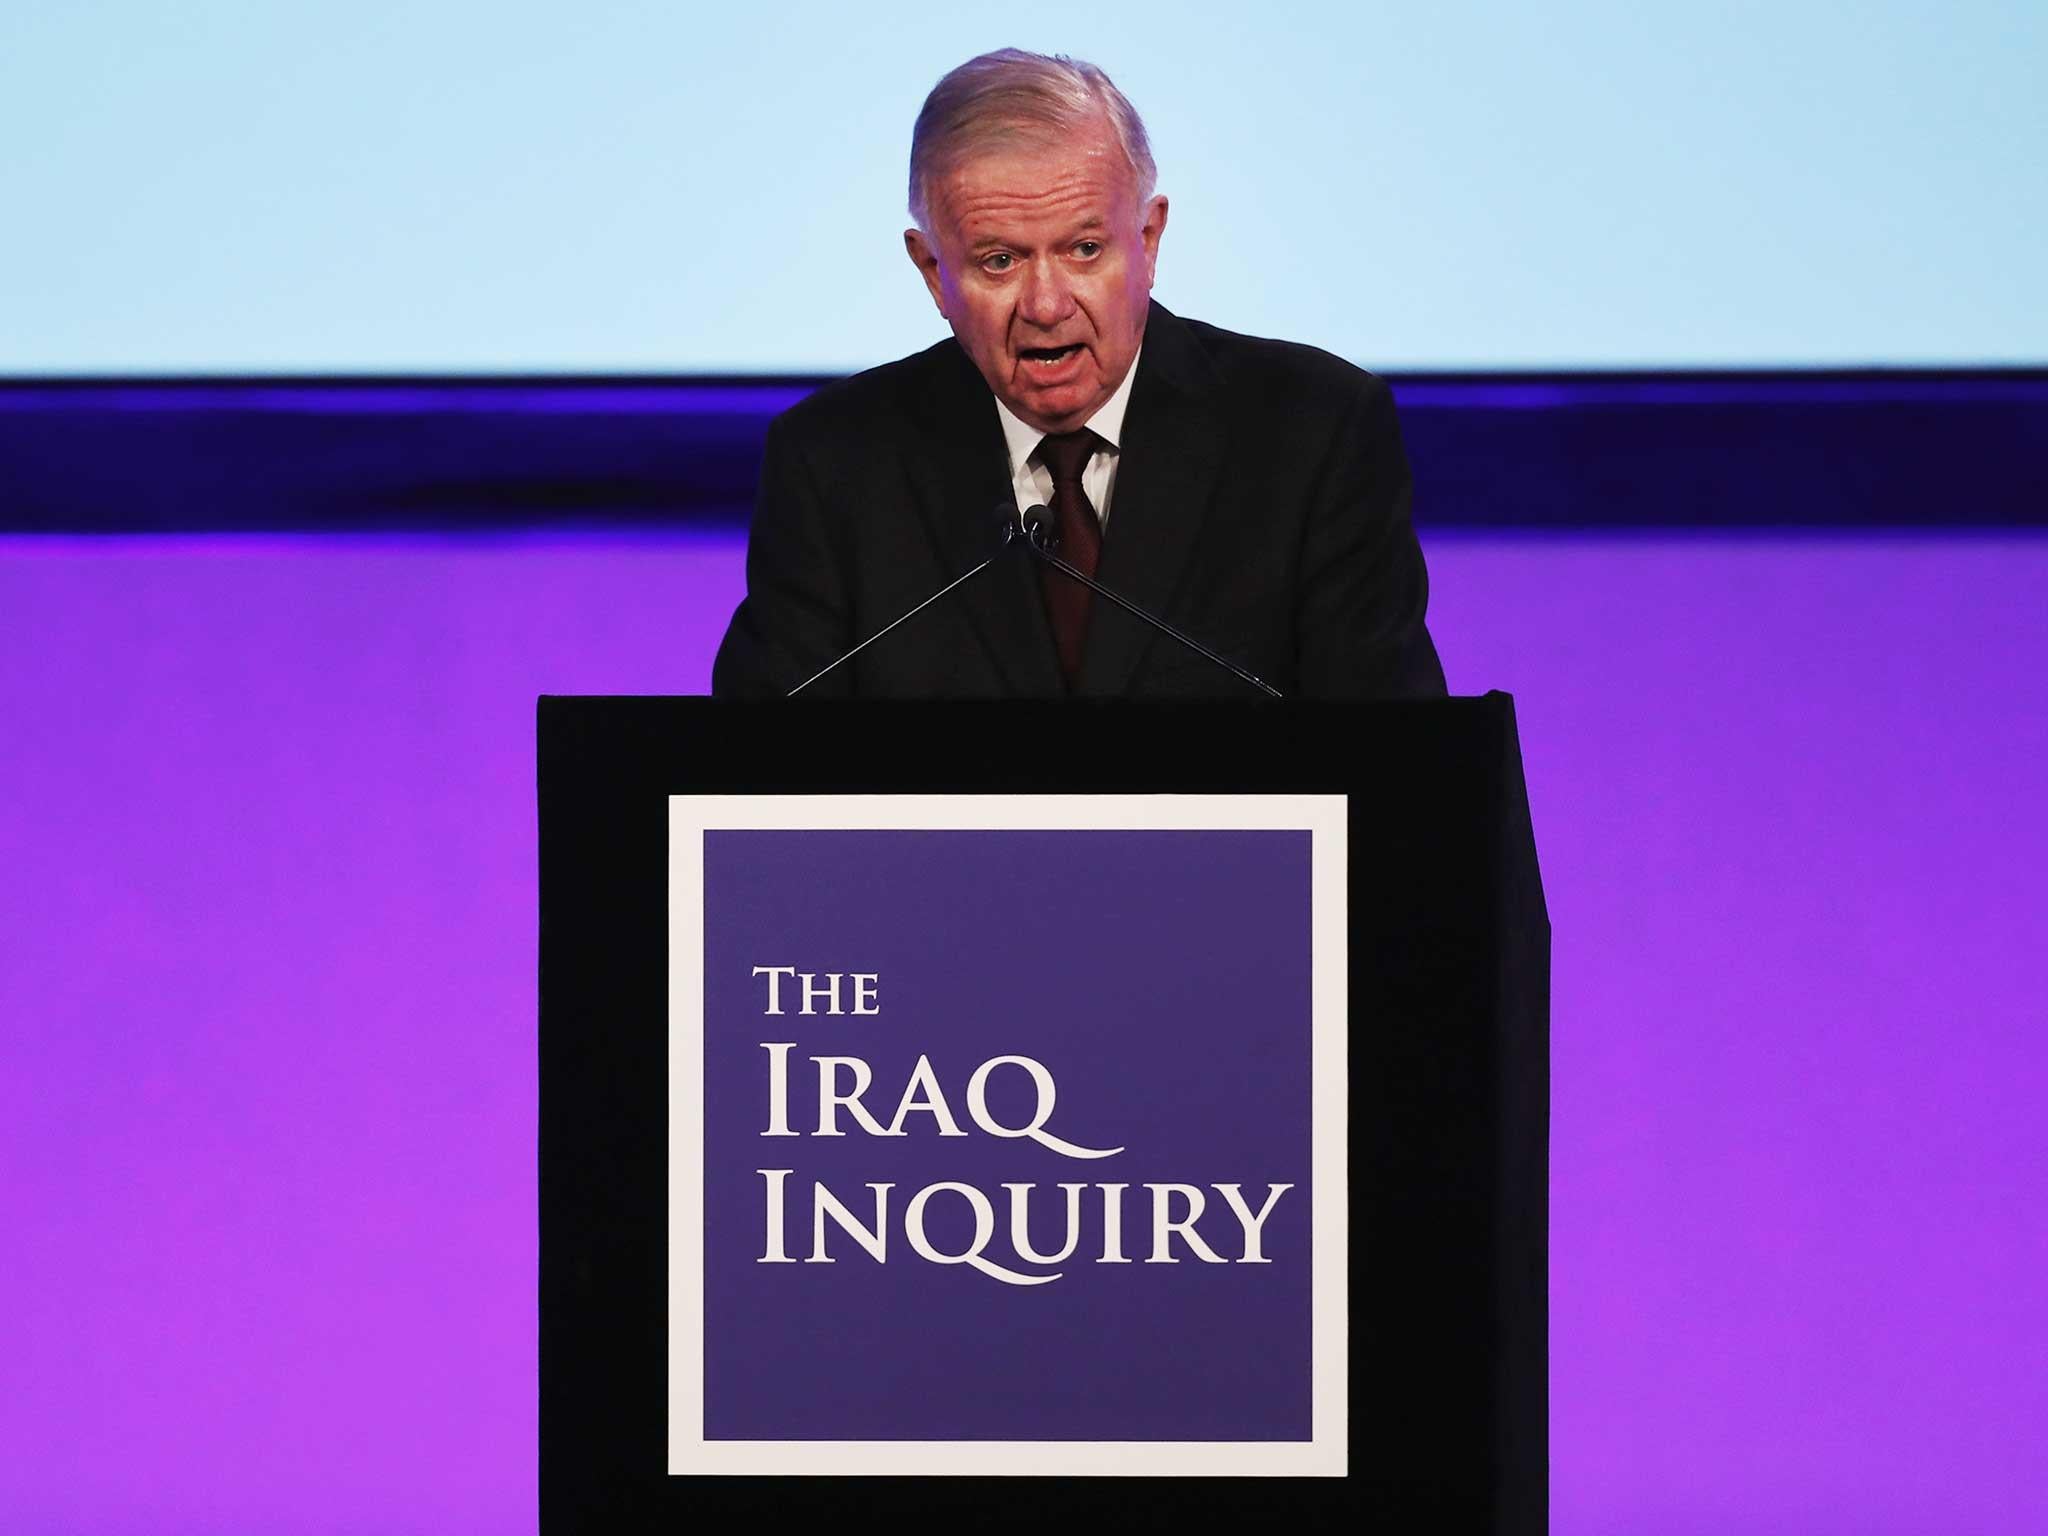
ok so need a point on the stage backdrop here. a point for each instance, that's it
(267, 1010)
(446, 185)
(267, 1093)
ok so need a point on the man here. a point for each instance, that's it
(1253, 493)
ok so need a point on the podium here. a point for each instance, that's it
(1037, 1112)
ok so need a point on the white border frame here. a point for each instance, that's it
(1324, 1453)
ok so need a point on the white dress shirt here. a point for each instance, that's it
(1032, 481)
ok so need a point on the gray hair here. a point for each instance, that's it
(1011, 95)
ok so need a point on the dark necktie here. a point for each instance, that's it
(1066, 455)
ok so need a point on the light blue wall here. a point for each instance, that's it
(451, 186)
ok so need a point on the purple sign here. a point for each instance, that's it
(999, 1135)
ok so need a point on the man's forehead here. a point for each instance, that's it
(1070, 184)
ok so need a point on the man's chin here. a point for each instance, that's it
(1057, 407)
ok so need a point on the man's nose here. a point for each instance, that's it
(1047, 298)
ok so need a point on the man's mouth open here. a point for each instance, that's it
(1050, 362)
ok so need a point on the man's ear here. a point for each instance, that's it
(1153, 228)
(926, 260)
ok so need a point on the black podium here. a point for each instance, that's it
(1442, 1134)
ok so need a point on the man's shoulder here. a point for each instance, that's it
(1284, 374)
(861, 403)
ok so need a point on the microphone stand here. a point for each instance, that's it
(1009, 531)
(1042, 539)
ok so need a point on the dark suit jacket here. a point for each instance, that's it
(1261, 504)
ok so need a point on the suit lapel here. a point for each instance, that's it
(1165, 479)
(962, 479)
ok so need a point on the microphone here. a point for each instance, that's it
(1042, 537)
(1008, 528)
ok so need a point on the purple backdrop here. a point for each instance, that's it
(266, 980)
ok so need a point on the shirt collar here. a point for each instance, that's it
(1107, 423)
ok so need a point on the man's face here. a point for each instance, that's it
(1041, 259)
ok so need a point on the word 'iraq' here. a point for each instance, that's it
(842, 1085)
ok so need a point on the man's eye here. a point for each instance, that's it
(1088, 250)
(1001, 261)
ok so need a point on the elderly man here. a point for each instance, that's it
(1253, 493)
